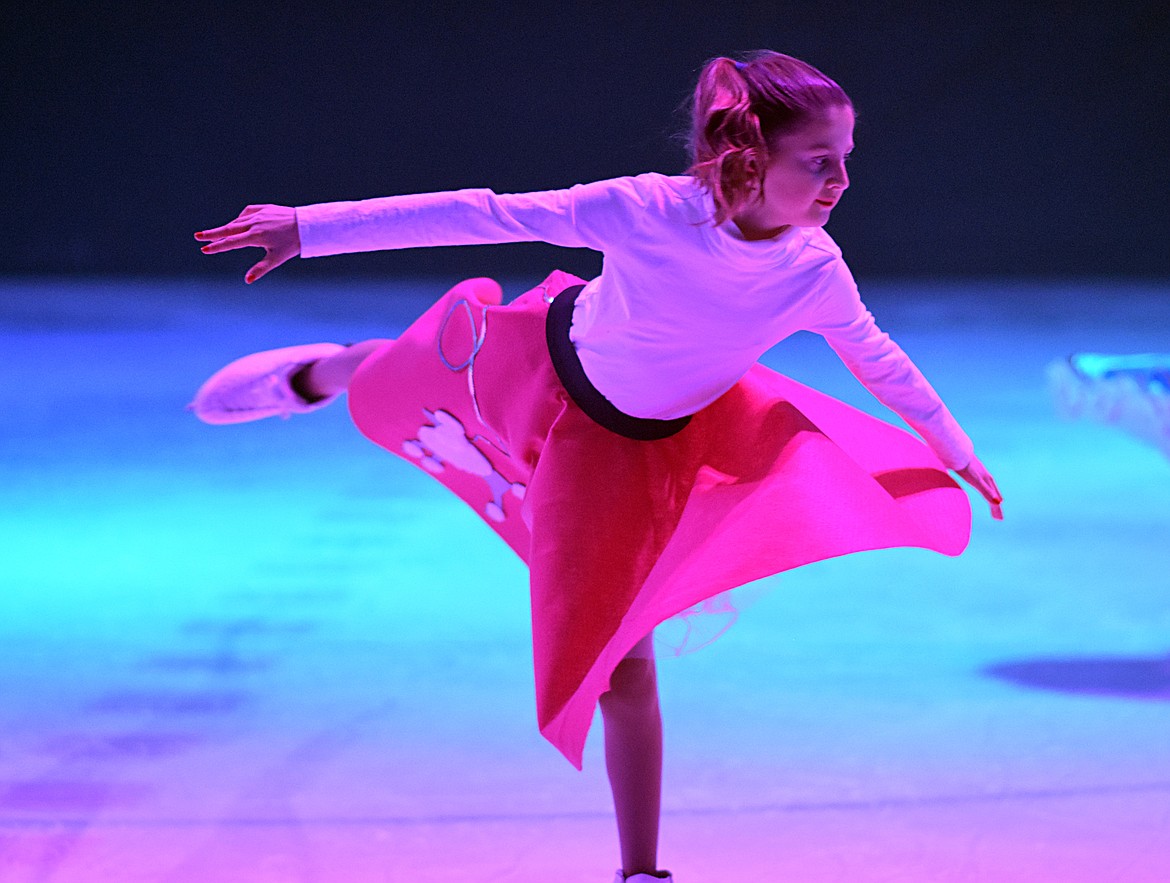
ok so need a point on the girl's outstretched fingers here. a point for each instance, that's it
(976, 475)
(239, 224)
(270, 227)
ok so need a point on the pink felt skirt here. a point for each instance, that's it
(618, 534)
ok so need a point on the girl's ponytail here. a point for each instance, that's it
(727, 143)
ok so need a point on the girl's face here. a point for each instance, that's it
(805, 176)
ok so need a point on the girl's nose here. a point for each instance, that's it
(840, 176)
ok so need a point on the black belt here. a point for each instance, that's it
(572, 376)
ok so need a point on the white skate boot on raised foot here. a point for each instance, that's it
(659, 877)
(257, 386)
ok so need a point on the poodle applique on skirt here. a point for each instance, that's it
(620, 535)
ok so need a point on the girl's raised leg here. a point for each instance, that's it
(331, 375)
(633, 759)
(281, 382)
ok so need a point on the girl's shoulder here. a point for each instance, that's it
(671, 197)
(654, 187)
(651, 201)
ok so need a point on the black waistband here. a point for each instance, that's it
(572, 376)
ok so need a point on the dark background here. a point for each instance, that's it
(1004, 138)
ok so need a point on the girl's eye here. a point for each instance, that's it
(819, 162)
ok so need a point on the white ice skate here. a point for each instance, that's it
(257, 386)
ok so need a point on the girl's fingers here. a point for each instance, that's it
(239, 223)
(976, 475)
(996, 496)
(258, 270)
(991, 492)
(271, 260)
(228, 243)
(992, 495)
(228, 229)
(261, 268)
(989, 488)
(270, 227)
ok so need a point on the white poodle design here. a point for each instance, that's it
(444, 442)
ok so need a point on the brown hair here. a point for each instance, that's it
(738, 109)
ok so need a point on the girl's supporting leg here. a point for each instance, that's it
(331, 375)
(633, 759)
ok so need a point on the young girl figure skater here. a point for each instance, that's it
(619, 433)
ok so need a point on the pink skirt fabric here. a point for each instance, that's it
(620, 535)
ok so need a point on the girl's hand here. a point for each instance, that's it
(270, 227)
(976, 475)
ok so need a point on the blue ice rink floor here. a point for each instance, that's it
(274, 653)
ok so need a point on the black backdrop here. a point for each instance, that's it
(1003, 138)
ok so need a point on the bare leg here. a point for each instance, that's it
(633, 759)
(331, 375)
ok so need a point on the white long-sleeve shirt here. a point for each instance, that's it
(682, 307)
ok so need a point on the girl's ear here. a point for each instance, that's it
(756, 162)
(754, 173)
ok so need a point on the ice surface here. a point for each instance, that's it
(271, 652)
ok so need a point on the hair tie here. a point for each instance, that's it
(739, 66)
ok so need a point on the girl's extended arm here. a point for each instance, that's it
(887, 372)
(882, 366)
(270, 227)
(592, 215)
